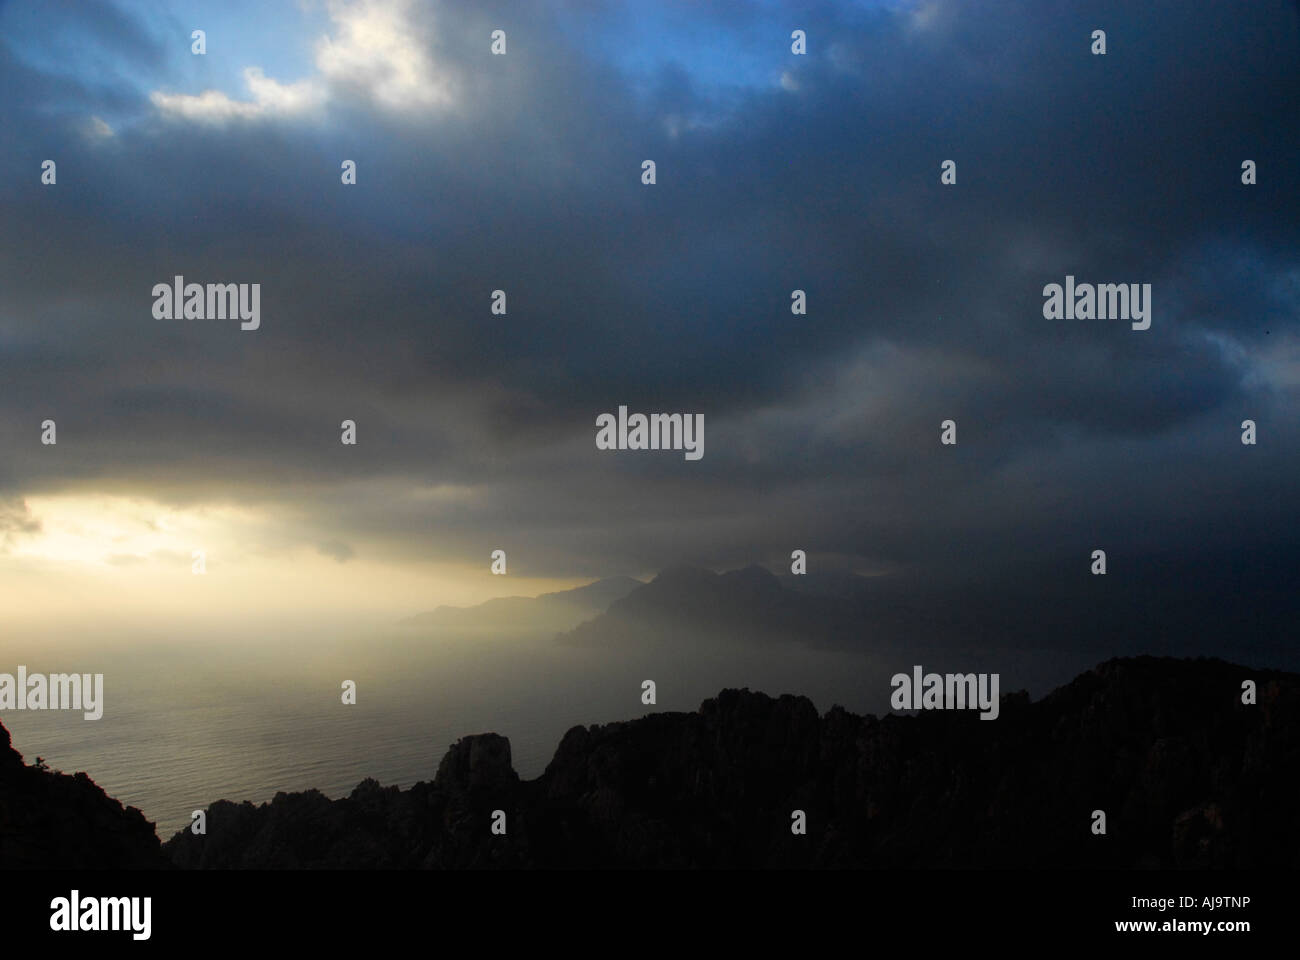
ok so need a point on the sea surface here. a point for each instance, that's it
(188, 722)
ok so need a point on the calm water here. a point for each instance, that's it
(188, 723)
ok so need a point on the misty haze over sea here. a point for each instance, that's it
(240, 715)
(184, 726)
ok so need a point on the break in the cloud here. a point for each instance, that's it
(267, 98)
(375, 48)
(776, 172)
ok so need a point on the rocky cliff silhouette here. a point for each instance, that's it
(50, 820)
(1187, 775)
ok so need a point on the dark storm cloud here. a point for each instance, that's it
(821, 431)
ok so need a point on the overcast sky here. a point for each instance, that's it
(522, 172)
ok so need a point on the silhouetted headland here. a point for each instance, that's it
(1187, 774)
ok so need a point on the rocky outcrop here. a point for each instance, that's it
(1187, 775)
(50, 820)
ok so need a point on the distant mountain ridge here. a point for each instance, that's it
(742, 605)
(549, 611)
(1158, 603)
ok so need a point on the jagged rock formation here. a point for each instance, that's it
(51, 820)
(1188, 777)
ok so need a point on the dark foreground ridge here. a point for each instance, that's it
(1188, 776)
(52, 820)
